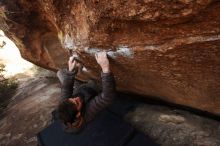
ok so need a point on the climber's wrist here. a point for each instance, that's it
(105, 69)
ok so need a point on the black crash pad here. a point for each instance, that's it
(106, 130)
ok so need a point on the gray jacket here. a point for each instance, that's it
(96, 104)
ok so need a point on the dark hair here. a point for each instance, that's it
(67, 111)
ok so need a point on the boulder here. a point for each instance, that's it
(169, 126)
(29, 112)
(168, 50)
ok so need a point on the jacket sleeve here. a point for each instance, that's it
(105, 98)
(67, 82)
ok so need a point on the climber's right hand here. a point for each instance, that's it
(102, 60)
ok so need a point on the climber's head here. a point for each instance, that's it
(70, 112)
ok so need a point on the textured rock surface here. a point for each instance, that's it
(175, 127)
(30, 111)
(166, 49)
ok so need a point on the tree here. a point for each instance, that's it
(7, 88)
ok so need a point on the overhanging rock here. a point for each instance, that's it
(166, 49)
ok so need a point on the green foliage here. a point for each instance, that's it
(7, 86)
(2, 44)
(2, 69)
(7, 89)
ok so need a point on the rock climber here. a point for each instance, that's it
(79, 105)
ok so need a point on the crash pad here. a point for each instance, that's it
(107, 129)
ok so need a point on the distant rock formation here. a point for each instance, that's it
(166, 49)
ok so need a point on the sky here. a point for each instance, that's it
(11, 57)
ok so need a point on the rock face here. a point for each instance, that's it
(174, 127)
(166, 49)
(30, 111)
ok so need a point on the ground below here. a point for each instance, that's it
(30, 110)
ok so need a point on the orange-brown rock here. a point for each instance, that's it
(166, 49)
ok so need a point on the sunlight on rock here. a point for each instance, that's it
(10, 56)
(171, 119)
